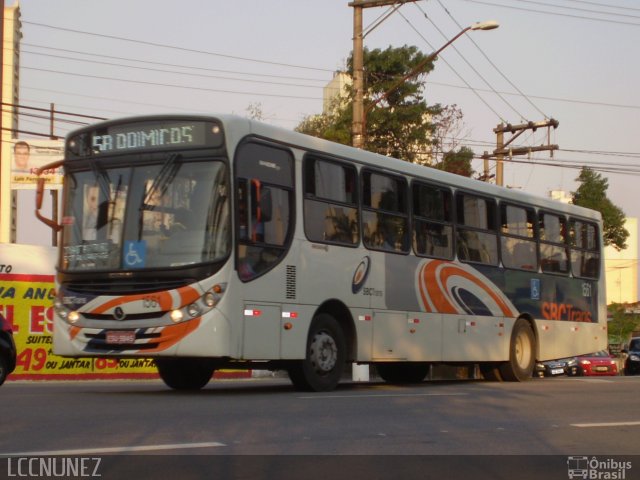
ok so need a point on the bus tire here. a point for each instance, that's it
(185, 373)
(522, 357)
(402, 372)
(326, 353)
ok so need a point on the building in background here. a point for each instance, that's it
(337, 89)
(560, 195)
(621, 267)
(10, 95)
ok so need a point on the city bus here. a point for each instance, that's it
(215, 242)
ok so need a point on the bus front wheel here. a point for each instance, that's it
(185, 373)
(522, 356)
(322, 367)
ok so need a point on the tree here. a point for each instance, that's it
(399, 125)
(592, 193)
(254, 111)
(622, 324)
(457, 162)
(450, 131)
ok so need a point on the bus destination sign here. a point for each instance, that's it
(149, 136)
(145, 135)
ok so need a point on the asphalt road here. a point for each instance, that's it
(557, 417)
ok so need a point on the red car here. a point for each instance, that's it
(598, 363)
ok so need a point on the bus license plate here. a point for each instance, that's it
(121, 336)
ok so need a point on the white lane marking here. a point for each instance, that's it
(606, 424)
(385, 395)
(123, 449)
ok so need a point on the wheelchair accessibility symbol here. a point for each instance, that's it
(135, 254)
(535, 289)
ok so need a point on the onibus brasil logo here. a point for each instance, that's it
(593, 468)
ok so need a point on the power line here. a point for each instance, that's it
(173, 47)
(201, 75)
(587, 10)
(454, 70)
(159, 84)
(493, 90)
(493, 64)
(555, 99)
(581, 17)
(605, 5)
(148, 62)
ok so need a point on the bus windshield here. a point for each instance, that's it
(168, 214)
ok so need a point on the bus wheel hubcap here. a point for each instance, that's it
(522, 351)
(323, 352)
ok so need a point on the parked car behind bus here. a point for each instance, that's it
(598, 363)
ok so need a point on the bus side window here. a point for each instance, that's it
(553, 249)
(518, 245)
(264, 207)
(585, 257)
(330, 202)
(432, 222)
(385, 217)
(476, 236)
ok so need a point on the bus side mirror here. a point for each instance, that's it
(40, 196)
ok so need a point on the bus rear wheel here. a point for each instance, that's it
(522, 357)
(185, 373)
(402, 372)
(326, 353)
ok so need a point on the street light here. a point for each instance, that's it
(360, 115)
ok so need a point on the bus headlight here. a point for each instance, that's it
(73, 317)
(193, 310)
(62, 311)
(201, 306)
(176, 315)
(213, 296)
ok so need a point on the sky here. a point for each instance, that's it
(571, 60)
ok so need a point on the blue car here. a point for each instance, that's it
(7, 349)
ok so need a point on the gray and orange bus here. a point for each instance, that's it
(210, 242)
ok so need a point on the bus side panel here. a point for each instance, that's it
(561, 339)
(407, 336)
(472, 338)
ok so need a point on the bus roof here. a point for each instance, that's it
(243, 127)
(415, 170)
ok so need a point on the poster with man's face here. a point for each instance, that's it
(27, 156)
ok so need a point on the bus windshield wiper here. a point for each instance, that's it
(165, 177)
(102, 178)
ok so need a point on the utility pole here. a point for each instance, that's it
(357, 127)
(54, 192)
(503, 149)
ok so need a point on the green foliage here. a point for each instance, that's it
(592, 193)
(622, 325)
(458, 162)
(399, 125)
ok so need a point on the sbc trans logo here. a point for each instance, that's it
(596, 469)
(360, 275)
